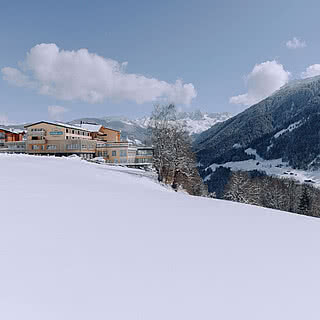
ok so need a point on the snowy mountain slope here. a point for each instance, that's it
(274, 167)
(285, 125)
(85, 241)
(196, 122)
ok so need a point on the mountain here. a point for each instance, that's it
(285, 125)
(195, 122)
(137, 129)
(129, 129)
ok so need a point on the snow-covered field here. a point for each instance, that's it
(275, 167)
(83, 241)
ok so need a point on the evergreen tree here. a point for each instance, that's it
(304, 206)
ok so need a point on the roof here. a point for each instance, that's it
(12, 130)
(112, 129)
(58, 124)
(94, 127)
(90, 127)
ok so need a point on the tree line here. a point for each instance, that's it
(257, 188)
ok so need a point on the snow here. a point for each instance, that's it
(12, 130)
(192, 124)
(290, 128)
(82, 241)
(61, 124)
(274, 167)
(90, 127)
(237, 146)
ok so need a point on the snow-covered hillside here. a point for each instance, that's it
(274, 167)
(83, 241)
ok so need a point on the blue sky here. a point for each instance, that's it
(208, 46)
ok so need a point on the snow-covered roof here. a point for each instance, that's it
(90, 127)
(16, 131)
(59, 124)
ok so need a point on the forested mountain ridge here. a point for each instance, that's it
(285, 125)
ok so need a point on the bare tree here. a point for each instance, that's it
(174, 159)
(241, 189)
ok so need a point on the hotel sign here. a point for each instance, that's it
(56, 133)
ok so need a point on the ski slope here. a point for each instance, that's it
(83, 241)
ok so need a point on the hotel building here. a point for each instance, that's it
(54, 138)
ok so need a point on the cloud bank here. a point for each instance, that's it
(262, 81)
(81, 75)
(56, 112)
(311, 71)
(295, 43)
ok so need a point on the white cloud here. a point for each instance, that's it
(311, 71)
(85, 76)
(262, 81)
(4, 120)
(56, 112)
(296, 43)
(16, 77)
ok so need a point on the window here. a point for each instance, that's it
(123, 153)
(114, 153)
(72, 131)
(35, 147)
(51, 147)
(67, 130)
(72, 146)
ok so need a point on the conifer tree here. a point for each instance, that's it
(304, 206)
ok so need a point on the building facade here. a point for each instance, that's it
(14, 147)
(85, 140)
(116, 152)
(53, 138)
(144, 155)
(8, 135)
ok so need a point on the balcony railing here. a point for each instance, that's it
(40, 141)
